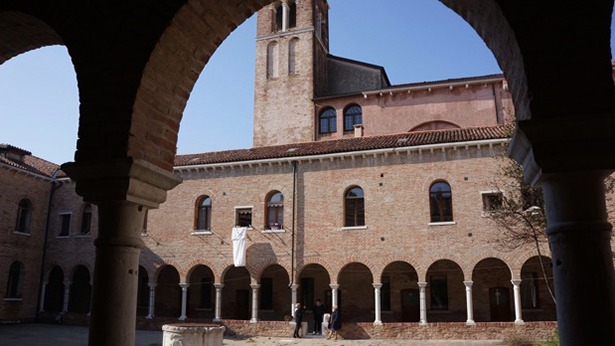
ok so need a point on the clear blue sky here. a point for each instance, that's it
(416, 40)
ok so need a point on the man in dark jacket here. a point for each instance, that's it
(319, 311)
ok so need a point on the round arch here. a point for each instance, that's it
(201, 292)
(355, 284)
(168, 292)
(492, 291)
(445, 292)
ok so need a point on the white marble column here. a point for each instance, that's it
(293, 299)
(218, 313)
(184, 287)
(255, 288)
(469, 303)
(334, 288)
(284, 16)
(377, 304)
(43, 290)
(517, 299)
(423, 304)
(152, 297)
(66, 295)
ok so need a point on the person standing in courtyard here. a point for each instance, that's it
(318, 310)
(298, 320)
(335, 323)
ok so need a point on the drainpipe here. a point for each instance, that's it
(292, 251)
(54, 186)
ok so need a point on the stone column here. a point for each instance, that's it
(43, 289)
(469, 303)
(284, 16)
(580, 239)
(254, 318)
(66, 295)
(423, 304)
(152, 299)
(89, 314)
(377, 304)
(293, 299)
(334, 288)
(184, 287)
(517, 300)
(218, 313)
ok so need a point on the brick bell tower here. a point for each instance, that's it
(292, 43)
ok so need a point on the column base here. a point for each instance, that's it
(519, 322)
(216, 320)
(470, 323)
(254, 320)
(182, 318)
(423, 324)
(377, 323)
(149, 317)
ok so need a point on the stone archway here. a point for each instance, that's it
(356, 293)
(274, 294)
(201, 292)
(400, 293)
(492, 291)
(445, 292)
(536, 300)
(54, 290)
(236, 296)
(80, 291)
(168, 293)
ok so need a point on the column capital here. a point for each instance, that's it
(67, 283)
(255, 286)
(122, 179)
(294, 287)
(218, 285)
(377, 285)
(516, 282)
(152, 284)
(468, 283)
(422, 284)
(334, 286)
(184, 285)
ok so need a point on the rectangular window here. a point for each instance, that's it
(266, 291)
(243, 217)
(65, 225)
(439, 293)
(492, 201)
(86, 223)
(385, 293)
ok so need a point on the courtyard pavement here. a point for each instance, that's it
(56, 335)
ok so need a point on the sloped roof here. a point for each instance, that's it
(406, 139)
(32, 164)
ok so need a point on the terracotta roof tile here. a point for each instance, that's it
(405, 139)
(32, 164)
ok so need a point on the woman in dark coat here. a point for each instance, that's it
(335, 323)
(298, 320)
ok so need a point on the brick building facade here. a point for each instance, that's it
(363, 194)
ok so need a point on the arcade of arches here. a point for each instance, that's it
(443, 294)
(131, 108)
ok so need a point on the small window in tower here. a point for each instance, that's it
(278, 17)
(292, 15)
(292, 56)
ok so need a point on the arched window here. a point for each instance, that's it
(441, 202)
(203, 214)
(86, 220)
(24, 211)
(278, 17)
(292, 14)
(293, 45)
(15, 282)
(275, 211)
(354, 207)
(328, 120)
(272, 60)
(353, 115)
